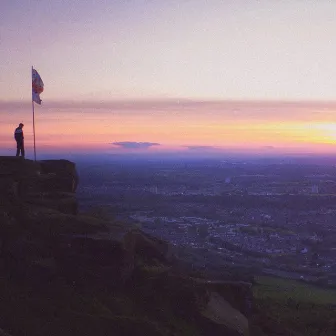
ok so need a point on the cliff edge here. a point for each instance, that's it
(67, 273)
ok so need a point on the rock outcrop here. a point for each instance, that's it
(50, 183)
(64, 273)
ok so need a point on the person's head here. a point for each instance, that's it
(21, 125)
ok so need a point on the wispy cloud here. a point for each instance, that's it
(268, 147)
(135, 145)
(202, 148)
(236, 107)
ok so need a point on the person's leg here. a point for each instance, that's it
(17, 148)
(22, 149)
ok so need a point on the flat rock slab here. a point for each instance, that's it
(221, 312)
(17, 166)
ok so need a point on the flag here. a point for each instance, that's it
(37, 87)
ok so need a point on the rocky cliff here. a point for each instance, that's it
(67, 273)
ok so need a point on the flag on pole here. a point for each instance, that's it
(37, 87)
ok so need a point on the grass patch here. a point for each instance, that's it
(284, 289)
(291, 308)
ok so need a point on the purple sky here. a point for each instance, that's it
(241, 49)
(186, 74)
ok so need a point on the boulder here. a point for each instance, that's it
(60, 175)
(17, 166)
(190, 300)
(238, 293)
(50, 183)
(183, 296)
(222, 318)
(13, 171)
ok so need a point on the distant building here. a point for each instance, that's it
(315, 189)
(304, 251)
(153, 190)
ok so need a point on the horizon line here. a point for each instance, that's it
(176, 100)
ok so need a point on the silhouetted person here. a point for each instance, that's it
(18, 135)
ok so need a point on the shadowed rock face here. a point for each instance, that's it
(224, 316)
(125, 280)
(63, 174)
(2, 333)
(13, 171)
(50, 183)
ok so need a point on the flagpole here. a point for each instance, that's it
(33, 119)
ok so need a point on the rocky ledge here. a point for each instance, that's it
(67, 273)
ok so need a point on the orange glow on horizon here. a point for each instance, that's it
(249, 128)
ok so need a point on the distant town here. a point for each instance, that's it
(274, 218)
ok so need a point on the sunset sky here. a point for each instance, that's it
(170, 76)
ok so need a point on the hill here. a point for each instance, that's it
(69, 273)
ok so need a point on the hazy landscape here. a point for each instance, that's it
(276, 218)
(270, 221)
